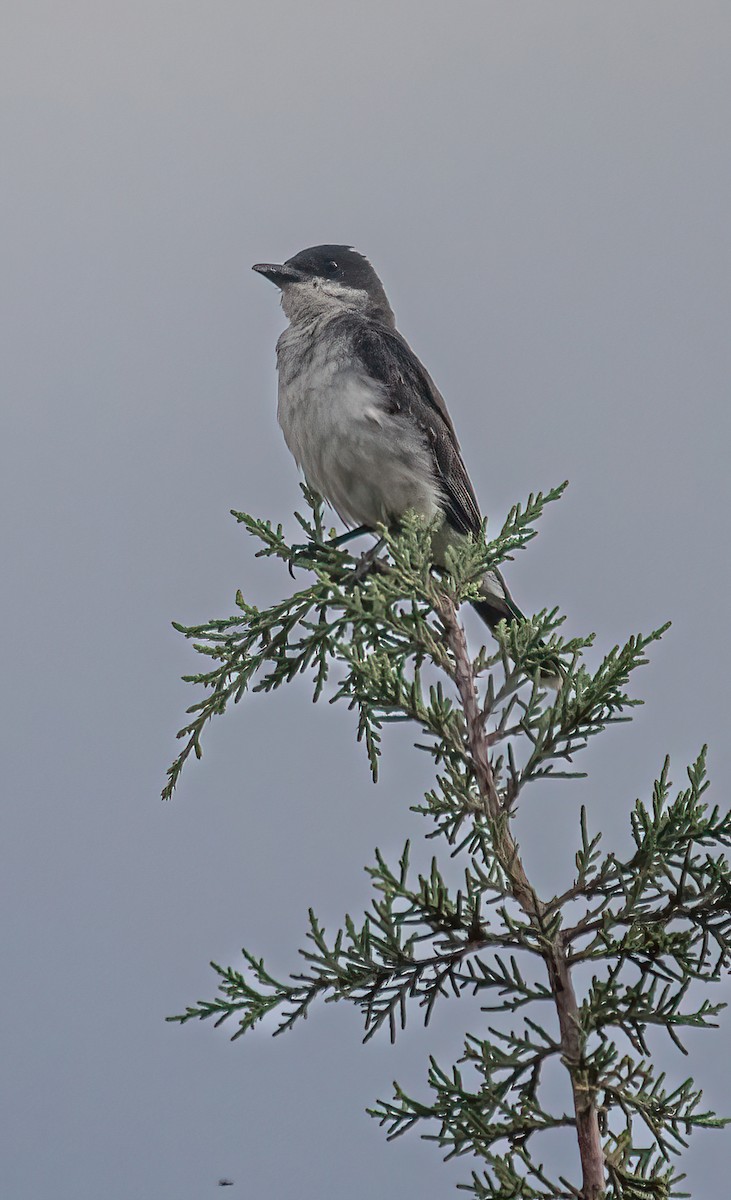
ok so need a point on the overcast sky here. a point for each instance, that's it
(545, 190)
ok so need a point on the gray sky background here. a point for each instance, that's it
(545, 190)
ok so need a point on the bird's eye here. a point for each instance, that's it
(331, 268)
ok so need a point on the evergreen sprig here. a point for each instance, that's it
(383, 634)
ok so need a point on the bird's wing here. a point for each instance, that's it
(409, 389)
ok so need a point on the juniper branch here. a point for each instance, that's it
(390, 644)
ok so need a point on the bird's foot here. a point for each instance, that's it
(332, 543)
(369, 561)
(349, 535)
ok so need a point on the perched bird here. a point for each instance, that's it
(362, 416)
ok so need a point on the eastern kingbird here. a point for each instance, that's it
(362, 416)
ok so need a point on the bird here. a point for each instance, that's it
(363, 417)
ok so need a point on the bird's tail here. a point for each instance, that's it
(493, 609)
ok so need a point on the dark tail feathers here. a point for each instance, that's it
(552, 669)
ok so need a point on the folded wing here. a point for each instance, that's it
(409, 389)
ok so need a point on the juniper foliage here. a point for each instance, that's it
(650, 930)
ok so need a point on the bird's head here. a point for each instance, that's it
(327, 279)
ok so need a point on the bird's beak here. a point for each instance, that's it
(279, 273)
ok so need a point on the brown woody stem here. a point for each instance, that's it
(554, 954)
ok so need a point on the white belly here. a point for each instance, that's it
(370, 465)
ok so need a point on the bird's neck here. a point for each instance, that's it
(306, 305)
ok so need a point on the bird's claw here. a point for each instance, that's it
(368, 561)
(333, 544)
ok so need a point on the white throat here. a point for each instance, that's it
(316, 298)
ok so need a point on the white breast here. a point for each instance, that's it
(369, 464)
